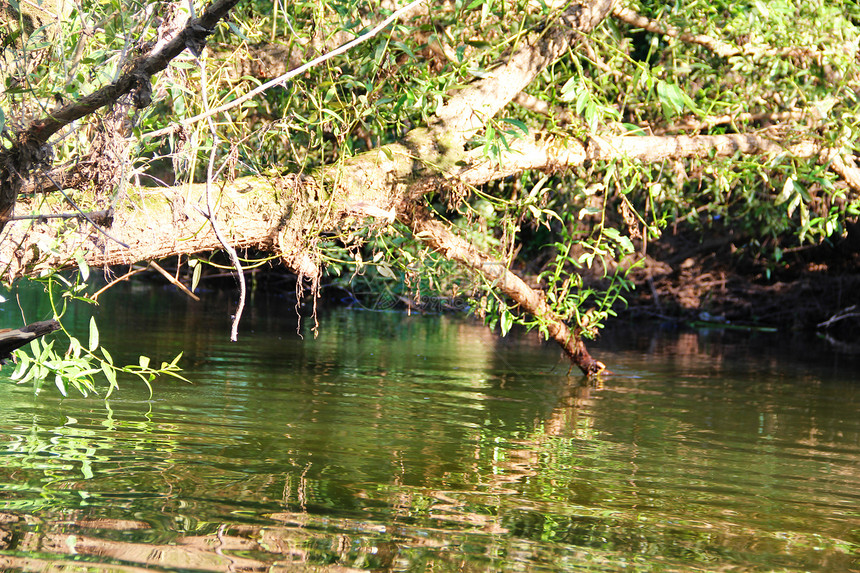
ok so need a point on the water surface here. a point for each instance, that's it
(398, 443)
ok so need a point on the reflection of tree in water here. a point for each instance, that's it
(391, 459)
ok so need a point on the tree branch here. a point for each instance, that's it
(470, 108)
(193, 36)
(26, 152)
(638, 21)
(719, 47)
(544, 152)
(437, 236)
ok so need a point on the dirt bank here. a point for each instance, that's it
(714, 278)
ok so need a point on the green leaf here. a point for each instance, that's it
(634, 129)
(144, 362)
(110, 374)
(31, 374)
(626, 245)
(61, 385)
(787, 190)
(21, 368)
(195, 276)
(582, 100)
(237, 31)
(385, 270)
(672, 97)
(94, 334)
(175, 361)
(518, 124)
(379, 53)
(507, 320)
(568, 90)
(587, 258)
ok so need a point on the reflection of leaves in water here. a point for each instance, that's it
(59, 455)
(425, 443)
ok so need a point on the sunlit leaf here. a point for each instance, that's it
(506, 321)
(385, 270)
(61, 384)
(195, 276)
(94, 334)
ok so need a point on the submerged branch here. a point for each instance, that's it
(437, 236)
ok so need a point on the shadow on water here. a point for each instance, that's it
(398, 443)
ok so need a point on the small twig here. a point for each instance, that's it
(173, 281)
(841, 315)
(102, 214)
(280, 80)
(124, 277)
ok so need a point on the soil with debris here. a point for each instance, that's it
(690, 278)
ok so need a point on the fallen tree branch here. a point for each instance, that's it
(11, 340)
(545, 152)
(541, 151)
(433, 233)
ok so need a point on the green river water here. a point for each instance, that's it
(426, 443)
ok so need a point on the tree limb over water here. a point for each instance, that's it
(286, 214)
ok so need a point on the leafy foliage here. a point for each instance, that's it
(575, 232)
(81, 366)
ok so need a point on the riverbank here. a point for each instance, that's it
(688, 278)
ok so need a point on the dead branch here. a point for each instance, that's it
(638, 21)
(172, 280)
(132, 271)
(434, 234)
(719, 47)
(845, 313)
